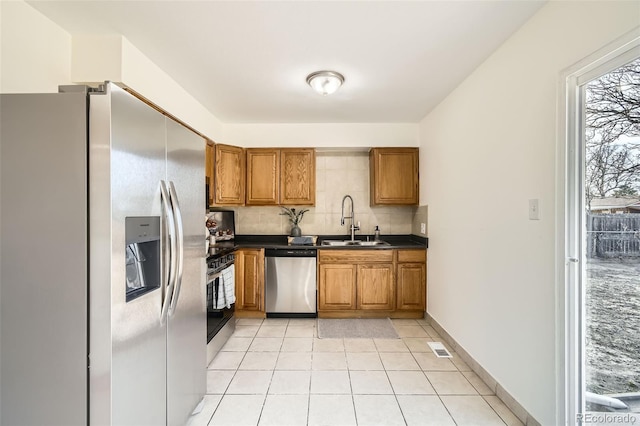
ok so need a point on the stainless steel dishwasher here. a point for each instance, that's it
(290, 275)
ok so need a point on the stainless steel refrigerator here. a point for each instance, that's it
(102, 292)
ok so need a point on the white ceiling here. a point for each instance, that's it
(247, 61)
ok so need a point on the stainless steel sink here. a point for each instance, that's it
(354, 243)
(339, 243)
(373, 243)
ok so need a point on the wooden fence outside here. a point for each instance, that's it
(613, 235)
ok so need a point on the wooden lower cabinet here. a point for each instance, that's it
(338, 287)
(375, 286)
(411, 286)
(411, 275)
(351, 283)
(371, 283)
(249, 280)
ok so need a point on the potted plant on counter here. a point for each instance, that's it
(295, 217)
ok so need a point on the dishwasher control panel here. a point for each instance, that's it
(290, 252)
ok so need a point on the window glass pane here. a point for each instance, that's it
(612, 240)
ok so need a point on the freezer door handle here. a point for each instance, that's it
(169, 232)
(180, 244)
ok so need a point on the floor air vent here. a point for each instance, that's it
(439, 349)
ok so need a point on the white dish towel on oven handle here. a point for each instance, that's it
(219, 299)
(228, 282)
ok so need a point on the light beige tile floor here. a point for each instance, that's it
(277, 372)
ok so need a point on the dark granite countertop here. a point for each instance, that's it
(280, 241)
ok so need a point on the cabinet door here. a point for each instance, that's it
(336, 287)
(249, 277)
(394, 176)
(209, 171)
(263, 177)
(229, 175)
(298, 176)
(411, 286)
(375, 286)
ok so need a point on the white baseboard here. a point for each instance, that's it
(508, 400)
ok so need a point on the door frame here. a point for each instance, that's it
(570, 219)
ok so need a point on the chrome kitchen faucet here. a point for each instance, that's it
(353, 227)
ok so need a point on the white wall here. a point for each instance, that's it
(27, 64)
(486, 150)
(99, 58)
(37, 56)
(35, 53)
(332, 135)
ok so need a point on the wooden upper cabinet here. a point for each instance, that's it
(210, 155)
(263, 177)
(229, 175)
(394, 176)
(280, 176)
(298, 176)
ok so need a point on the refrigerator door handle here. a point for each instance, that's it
(169, 233)
(180, 244)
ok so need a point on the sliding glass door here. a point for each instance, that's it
(603, 240)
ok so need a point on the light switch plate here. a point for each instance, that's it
(423, 228)
(534, 209)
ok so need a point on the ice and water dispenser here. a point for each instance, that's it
(142, 255)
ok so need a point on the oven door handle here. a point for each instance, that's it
(213, 277)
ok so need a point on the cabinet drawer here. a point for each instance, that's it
(412, 256)
(354, 256)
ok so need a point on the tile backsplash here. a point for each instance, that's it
(420, 216)
(337, 174)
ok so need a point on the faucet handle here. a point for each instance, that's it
(357, 227)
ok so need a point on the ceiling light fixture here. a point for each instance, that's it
(325, 82)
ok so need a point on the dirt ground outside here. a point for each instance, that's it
(613, 325)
